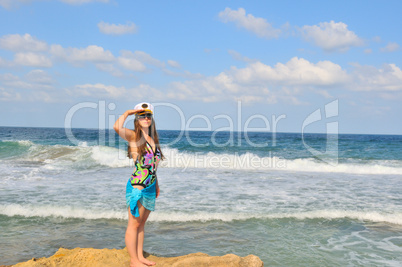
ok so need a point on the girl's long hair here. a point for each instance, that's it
(140, 140)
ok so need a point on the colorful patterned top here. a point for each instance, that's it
(145, 167)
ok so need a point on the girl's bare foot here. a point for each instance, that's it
(147, 262)
(137, 264)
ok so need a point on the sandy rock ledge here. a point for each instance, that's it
(89, 257)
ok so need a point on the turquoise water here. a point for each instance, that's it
(221, 193)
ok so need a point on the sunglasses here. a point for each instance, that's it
(143, 116)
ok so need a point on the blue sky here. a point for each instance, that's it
(205, 65)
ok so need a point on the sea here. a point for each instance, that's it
(291, 199)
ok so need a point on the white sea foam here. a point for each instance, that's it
(110, 156)
(83, 144)
(58, 211)
(394, 218)
(249, 161)
(20, 142)
(311, 166)
(92, 156)
(25, 142)
(319, 214)
(160, 216)
(82, 155)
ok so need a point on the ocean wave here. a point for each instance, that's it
(19, 142)
(85, 156)
(81, 156)
(11, 148)
(90, 214)
(54, 156)
(24, 142)
(29, 210)
(249, 161)
(110, 156)
(319, 214)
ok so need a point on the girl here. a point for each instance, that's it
(142, 187)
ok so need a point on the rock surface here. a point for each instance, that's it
(89, 257)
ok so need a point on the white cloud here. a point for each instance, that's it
(32, 59)
(37, 85)
(22, 43)
(296, 71)
(369, 78)
(288, 82)
(8, 78)
(131, 64)
(27, 46)
(323, 93)
(237, 56)
(92, 53)
(39, 77)
(331, 36)
(260, 82)
(174, 64)
(136, 61)
(99, 90)
(144, 91)
(110, 68)
(3, 62)
(185, 74)
(110, 91)
(258, 26)
(18, 84)
(7, 4)
(208, 50)
(376, 39)
(145, 58)
(7, 95)
(216, 88)
(119, 29)
(178, 72)
(391, 47)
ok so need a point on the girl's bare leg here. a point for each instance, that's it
(131, 237)
(140, 242)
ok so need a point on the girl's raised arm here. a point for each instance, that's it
(124, 133)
